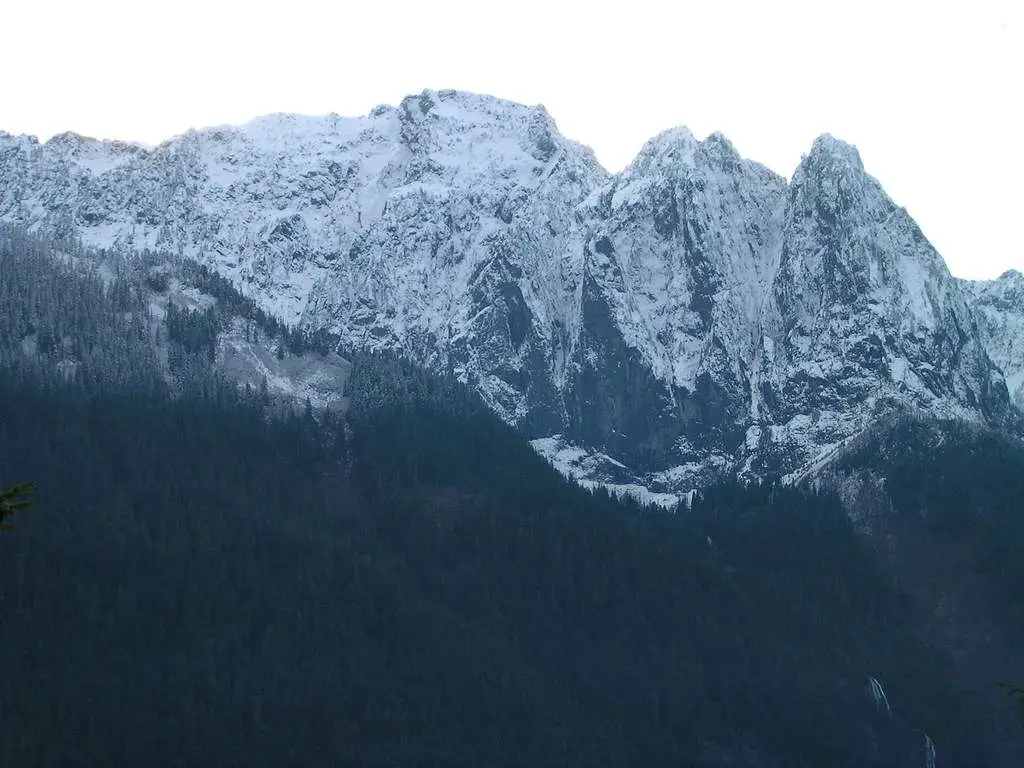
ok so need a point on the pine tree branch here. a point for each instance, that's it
(14, 499)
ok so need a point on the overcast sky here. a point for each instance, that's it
(932, 93)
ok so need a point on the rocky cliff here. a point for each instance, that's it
(693, 315)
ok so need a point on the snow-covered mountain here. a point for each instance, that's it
(999, 306)
(692, 315)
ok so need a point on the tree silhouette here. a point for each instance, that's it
(12, 500)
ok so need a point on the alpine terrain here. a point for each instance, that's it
(290, 394)
(692, 317)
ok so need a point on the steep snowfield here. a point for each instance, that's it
(693, 315)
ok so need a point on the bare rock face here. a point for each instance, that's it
(691, 316)
(999, 308)
(863, 311)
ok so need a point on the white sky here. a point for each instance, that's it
(932, 93)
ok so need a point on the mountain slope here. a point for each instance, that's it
(202, 581)
(244, 592)
(999, 306)
(864, 313)
(940, 501)
(676, 269)
(690, 317)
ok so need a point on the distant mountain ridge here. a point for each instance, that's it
(692, 316)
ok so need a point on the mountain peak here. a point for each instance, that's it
(827, 149)
(719, 139)
(680, 135)
(671, 148)
(18, 138)
(662, 316)
(831, 181)
(719, 148)
(69, 139)
(465, 101)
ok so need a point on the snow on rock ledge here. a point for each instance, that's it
(692, 316)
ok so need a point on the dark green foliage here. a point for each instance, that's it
(201, 586)
(147, 605)
(755, 619)
(14, 499)
(955, 532)
(962, 484)
(62, 318)
(194, 330)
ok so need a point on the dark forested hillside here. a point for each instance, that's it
(68, 317)
(943, 504)
(199, 583)
(960, 483)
